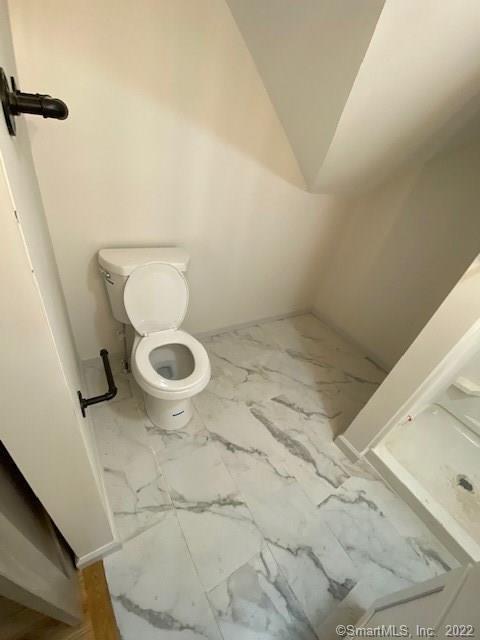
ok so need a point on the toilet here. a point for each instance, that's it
(147, 289)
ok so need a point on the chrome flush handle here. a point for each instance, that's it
(106, 275)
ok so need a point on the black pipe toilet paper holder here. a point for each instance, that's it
(112, 389)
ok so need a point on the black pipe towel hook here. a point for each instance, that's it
(15, 102)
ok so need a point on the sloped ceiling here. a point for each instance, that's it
(308, 53)
(419, 81)
(363, 86)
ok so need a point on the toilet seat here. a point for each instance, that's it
(156, 300)
(158, 386)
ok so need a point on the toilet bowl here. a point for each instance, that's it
(170, 367)
(168, 364)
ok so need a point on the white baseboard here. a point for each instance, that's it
(98, 554)
(346, 448)
(117, 358)
(250, 323)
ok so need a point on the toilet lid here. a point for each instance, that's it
(155, 298)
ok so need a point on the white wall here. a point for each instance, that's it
(363, 86)
(421, 70)
(171, 139)
(403, 247)
(308, 53)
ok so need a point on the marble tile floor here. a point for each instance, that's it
(250, 524)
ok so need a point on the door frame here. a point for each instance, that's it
(35, 567)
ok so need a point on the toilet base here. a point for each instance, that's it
(168, 414)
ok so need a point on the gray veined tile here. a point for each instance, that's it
(241, 352)
(253, 369)
(315, 565)
(231, 421)
(318, 469)
(280, 333)
(313, 329)
(135, 510)
(248, 384)
(327, 406)
(171, 444)
(245, 476)
(295, 411)
(265, 365)
(260, 333)
(403, 519)
(308, 335)
(347, 362)
(214, 517)
(250, 453)
(120, 429)
(265, 446)
(308, 370)
(333, 455)
(155, 590)
(255, 601)
(198, 477)
(220, 538)
(405, 522)
(135, 486)
(306, 338)
(254, 471)
(355, 515)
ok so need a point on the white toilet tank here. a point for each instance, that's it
(117, 264)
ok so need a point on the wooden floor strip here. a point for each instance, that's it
(19, 623)
(99, 604)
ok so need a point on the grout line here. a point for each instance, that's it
(266, 543)
(192, 562)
